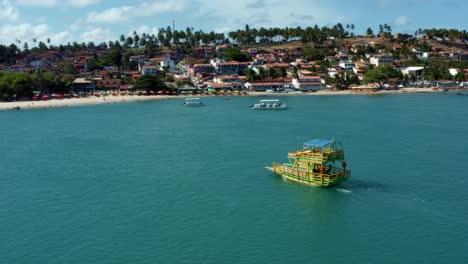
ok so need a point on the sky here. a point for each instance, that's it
(65, 21)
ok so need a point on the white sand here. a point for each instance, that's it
(80, 101)
(134, 98)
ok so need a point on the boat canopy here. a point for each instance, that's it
(270, 101)
(317, 143)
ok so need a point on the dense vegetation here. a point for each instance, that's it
(118, 52)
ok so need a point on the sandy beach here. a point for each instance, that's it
(134, 98)
(91, 100)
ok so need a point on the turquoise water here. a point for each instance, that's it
(156, 182)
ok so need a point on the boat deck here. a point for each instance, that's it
(308, 177)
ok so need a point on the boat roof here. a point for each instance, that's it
(270, 100)
(188, 99)
(317, 143)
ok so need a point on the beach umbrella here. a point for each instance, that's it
(45, 97)
(152, 92)
(167, 92)
(160, 92)
(174, 92)
(35, 97)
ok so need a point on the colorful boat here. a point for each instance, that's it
(320, 163)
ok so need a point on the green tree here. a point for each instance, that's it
(375, 75)
(283, 72)
(234, 54)
(149, 82)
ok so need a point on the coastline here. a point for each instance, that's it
(92, 100)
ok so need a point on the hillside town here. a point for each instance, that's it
(178, 65)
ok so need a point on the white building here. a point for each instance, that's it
(413, 71)
(265, 86)
(347, 65)
(310, 83)
(164, 63)
(378, 60)
(225, 68)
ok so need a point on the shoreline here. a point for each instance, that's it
(111, 99)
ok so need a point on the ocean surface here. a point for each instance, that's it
(157, 182)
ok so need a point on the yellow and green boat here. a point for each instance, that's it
(320, 163)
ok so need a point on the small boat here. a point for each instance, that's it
(274, 104)
(319, 163)
(193, 102)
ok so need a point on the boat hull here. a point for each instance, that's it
(272, 108)
(309, 178)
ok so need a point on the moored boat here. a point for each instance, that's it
(319, 163)
(273, 104)
(193, 102)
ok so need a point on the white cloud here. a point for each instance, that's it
(143, 29)
(235, 14)
(82, 3)
(54, 3)
(97, 35)
(43, 3)
(125, 13)
(27, 32)
(401, 21)
(110, 16)
(7, 11)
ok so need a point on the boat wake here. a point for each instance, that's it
(346, 191)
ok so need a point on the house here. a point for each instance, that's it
(108, 82)
(265, 86)
(224, 86)
(149, 70)
(347, 65)
(413, 72)
(229, 79)
(460, 56)
(252, 51)
(402, 36)
(360, 68)
(447, 84)
(163, 63)
(111, 68)
(199, 68)
(14, 68)
(204, 52)
(309, 83)
(332, 72)
(40, 63)
(222, 48)
(225, 68)
(378, 60)
(138, 59)
(82, 85)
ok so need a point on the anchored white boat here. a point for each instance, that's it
(193, 102)
(273, 104)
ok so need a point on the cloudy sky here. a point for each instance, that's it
(101, 20)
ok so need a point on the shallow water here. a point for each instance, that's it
(157, 182)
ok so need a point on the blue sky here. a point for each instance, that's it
(101, 20)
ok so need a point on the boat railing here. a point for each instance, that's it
(317, 157)
(300, 170)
